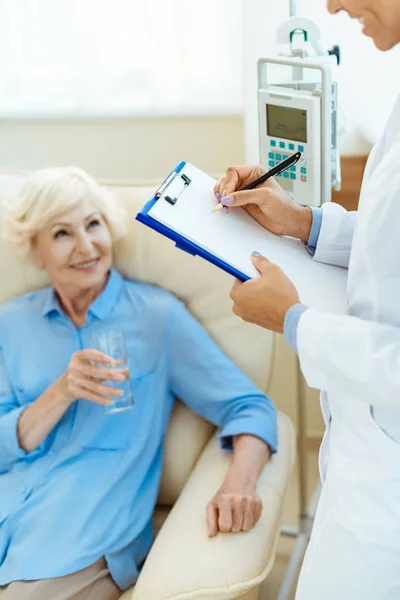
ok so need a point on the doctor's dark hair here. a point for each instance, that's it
(48, 193)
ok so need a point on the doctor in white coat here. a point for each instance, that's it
(354, 552)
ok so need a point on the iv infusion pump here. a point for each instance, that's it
(297, 112)
(290, 122)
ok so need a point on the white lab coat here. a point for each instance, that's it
(354, 552)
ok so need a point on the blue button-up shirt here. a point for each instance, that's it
(90, 488)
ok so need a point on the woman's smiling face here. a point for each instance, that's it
(75, 248)
(380, 18)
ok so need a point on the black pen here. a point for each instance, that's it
(276, 170)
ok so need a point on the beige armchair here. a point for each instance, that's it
(183, 562)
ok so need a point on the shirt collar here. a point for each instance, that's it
(100, 308)
(106, 301)
(51, 303)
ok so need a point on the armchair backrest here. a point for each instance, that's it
(148, 256)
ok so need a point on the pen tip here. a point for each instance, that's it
(217, 207)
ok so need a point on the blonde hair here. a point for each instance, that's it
(50, 192)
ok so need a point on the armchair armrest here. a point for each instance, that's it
(185, 564)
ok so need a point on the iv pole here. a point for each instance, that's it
(293, 8)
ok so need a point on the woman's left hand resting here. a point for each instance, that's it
(266, 300)
(236, 506)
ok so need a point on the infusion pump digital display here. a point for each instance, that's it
(287, 123)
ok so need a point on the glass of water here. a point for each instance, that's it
(113, 344)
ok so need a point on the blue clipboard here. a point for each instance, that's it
(181, 242)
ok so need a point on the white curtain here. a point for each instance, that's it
(120, 57)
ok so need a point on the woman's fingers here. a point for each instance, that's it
(237, 515)
(87, 365)
(257, 196)
(225, 516)
(89, 370)
(212, 519)
(228, 183)
(235, 178)
(217, 189)
(84, 377)
(97, 388)
(93, 356)
(258, 510)
(248, 515)
(233, 513)
(80, 391)
(232, 182)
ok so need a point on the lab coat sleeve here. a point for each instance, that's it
(336, 235)
(207, 381)
(340, 352)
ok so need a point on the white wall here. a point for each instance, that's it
(130, 149)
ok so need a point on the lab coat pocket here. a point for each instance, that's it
(373, 482)
(101, 430)
(384, 430)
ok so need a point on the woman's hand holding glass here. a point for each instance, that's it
(267, 204)
(84, 378)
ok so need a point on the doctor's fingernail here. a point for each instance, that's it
(226, 210)
(227, 201)
(256, 254)
(218, 196)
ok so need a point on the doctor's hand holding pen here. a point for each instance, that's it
(265, 300)
(268, 204)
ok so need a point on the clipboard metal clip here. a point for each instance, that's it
(178, 179)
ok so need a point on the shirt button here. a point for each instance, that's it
(24, 490)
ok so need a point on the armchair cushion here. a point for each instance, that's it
(185, 564)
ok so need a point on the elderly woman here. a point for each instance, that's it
(78, 485)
